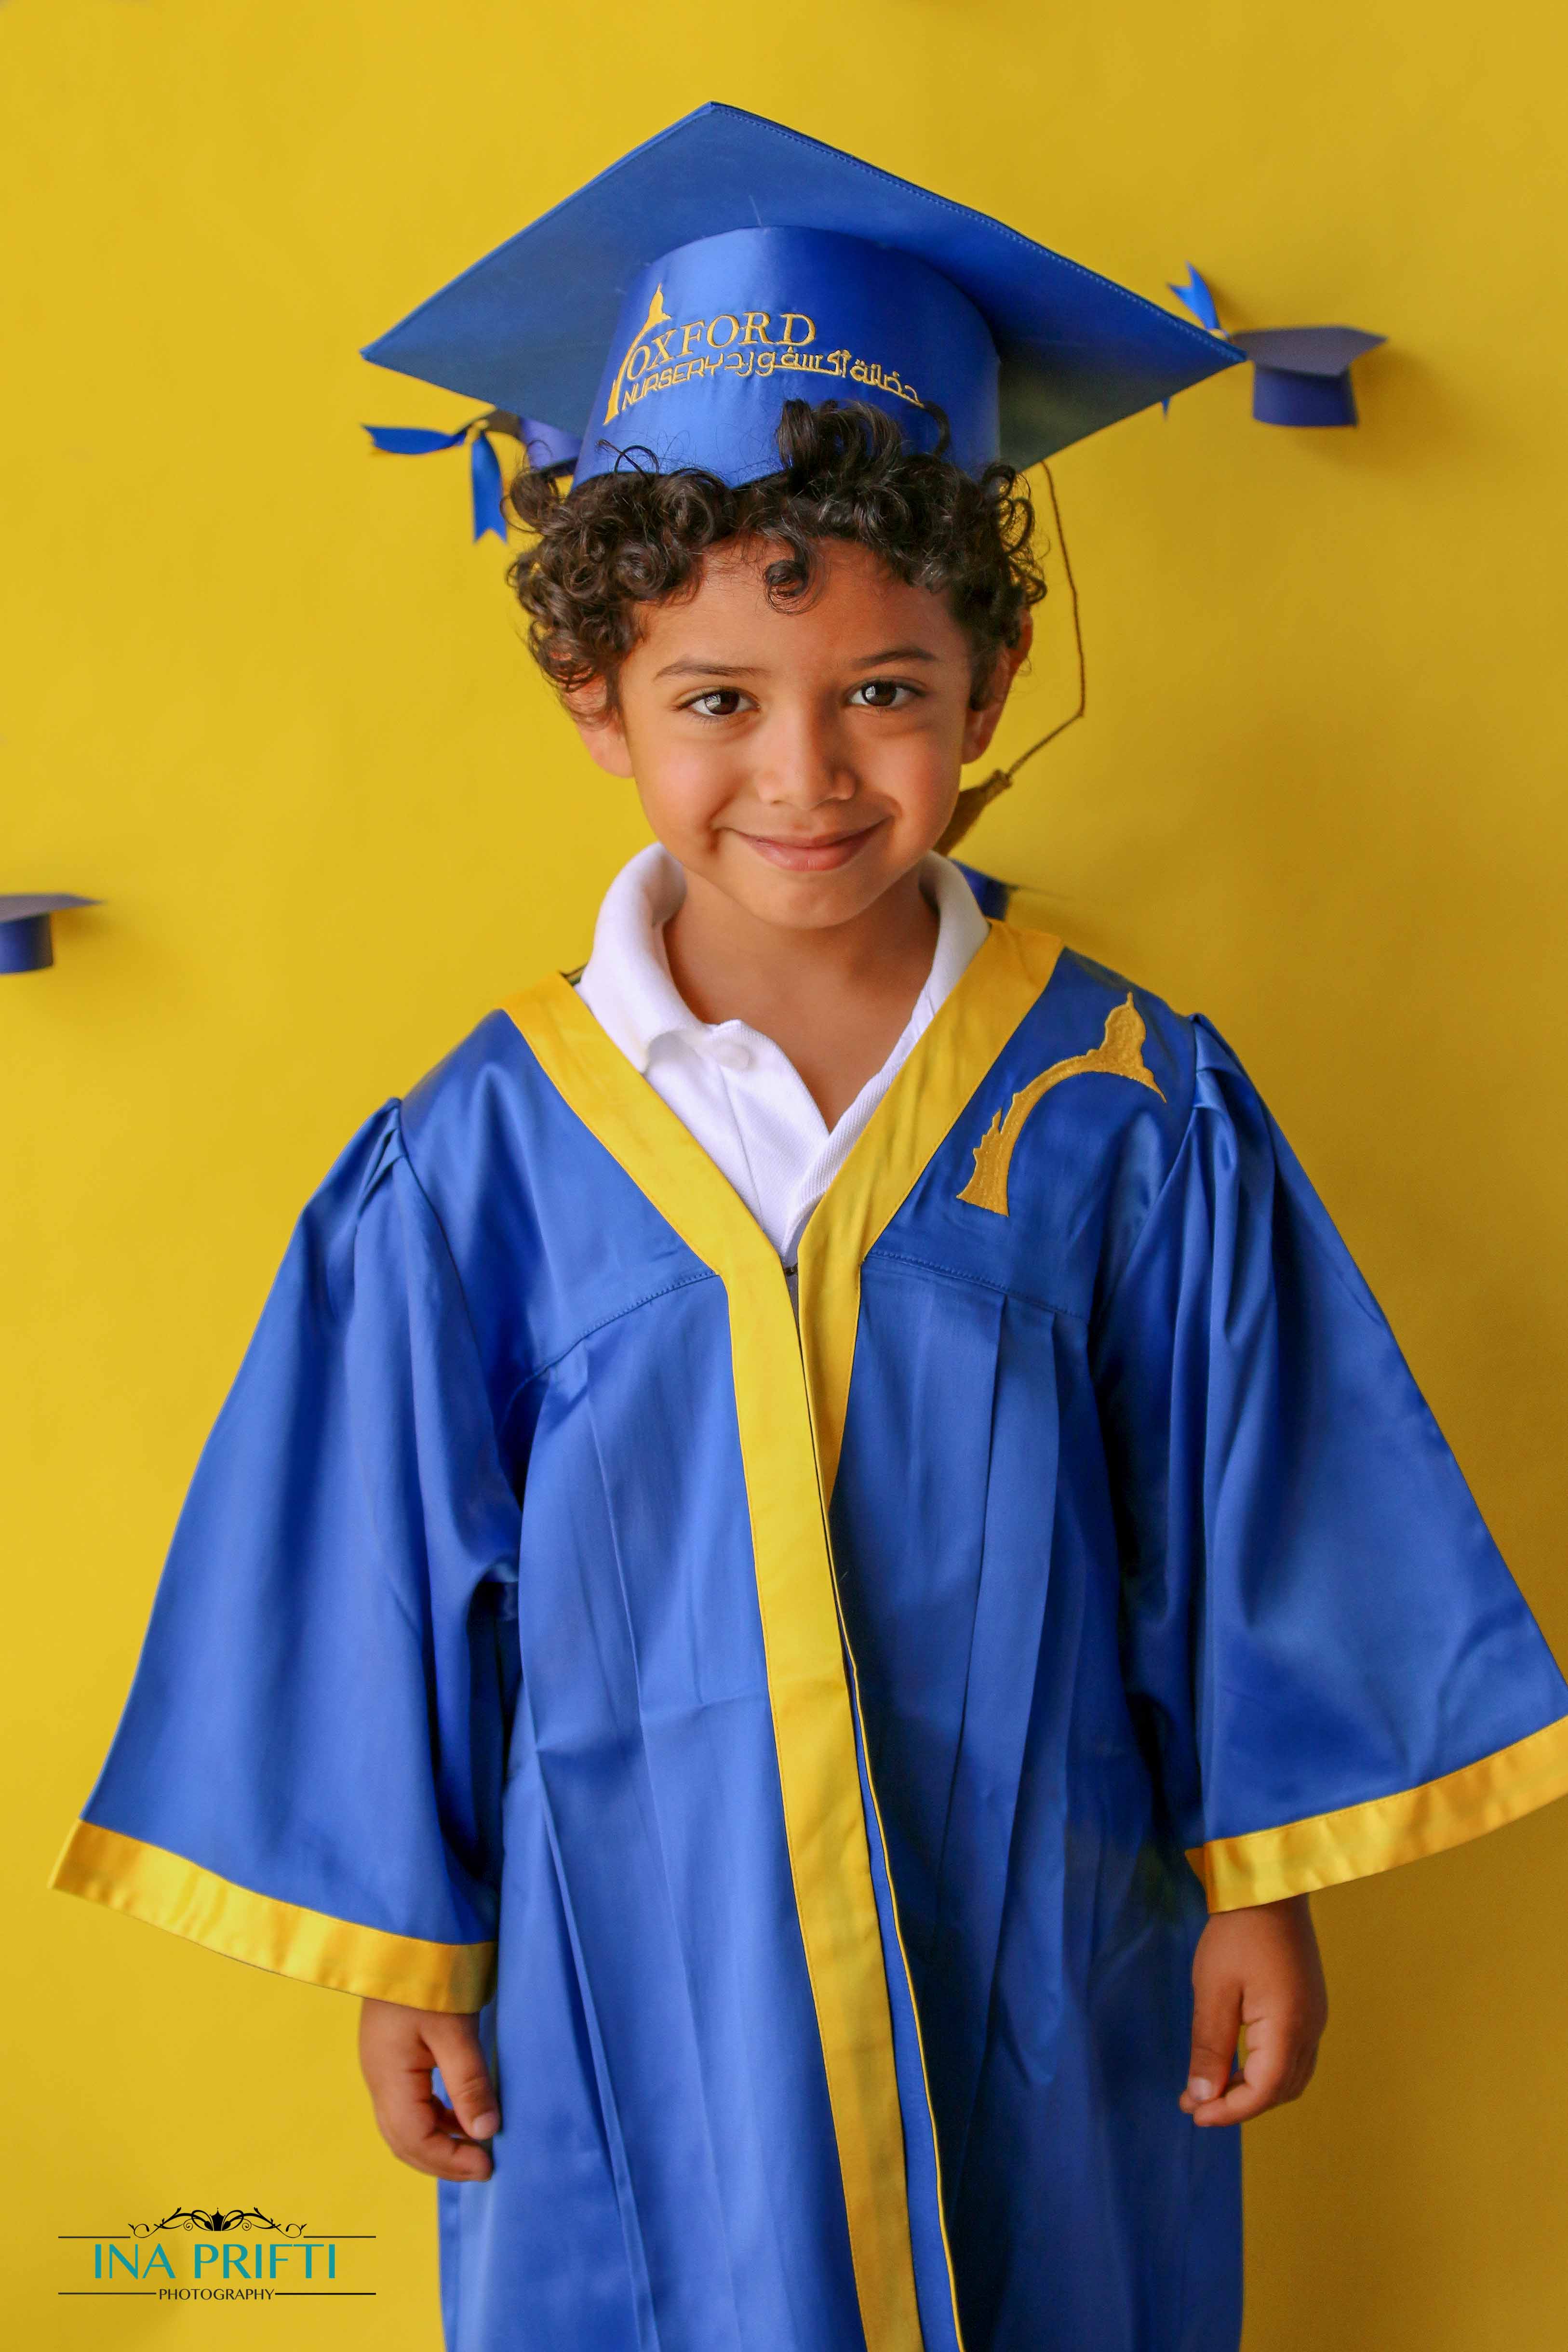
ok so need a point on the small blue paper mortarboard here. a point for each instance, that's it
(26, 938)
(668, 311)
(1300, 376)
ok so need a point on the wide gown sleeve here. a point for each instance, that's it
(307, 1773)
(1334, 1666)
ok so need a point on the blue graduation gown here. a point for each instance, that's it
(814, 1752)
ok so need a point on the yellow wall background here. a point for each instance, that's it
(261, 695)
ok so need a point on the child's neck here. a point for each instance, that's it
(835, 1001)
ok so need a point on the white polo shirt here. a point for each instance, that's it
(730, 1086)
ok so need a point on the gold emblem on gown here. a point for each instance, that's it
(1120, 1055)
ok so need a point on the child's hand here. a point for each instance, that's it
(398, 2049)
(1256, 1969)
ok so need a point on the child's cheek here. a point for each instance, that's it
(684, 789)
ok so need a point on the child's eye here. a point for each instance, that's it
(718, 702)
(881, 694)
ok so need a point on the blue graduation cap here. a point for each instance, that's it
(1300, 376)
(674, 304)
(26, 938)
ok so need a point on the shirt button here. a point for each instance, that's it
(729, 1057)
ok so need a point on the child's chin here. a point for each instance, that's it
(809, 902)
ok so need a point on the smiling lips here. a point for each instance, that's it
(823, 854)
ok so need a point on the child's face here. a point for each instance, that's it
(801, 761)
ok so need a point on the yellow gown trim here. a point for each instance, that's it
(1329, 1848)
(912, 1121)
(791, 1394)
(812, 1728)
(167, 1891)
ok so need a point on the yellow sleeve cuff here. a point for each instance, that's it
(167, 1891)
(1268, 1865)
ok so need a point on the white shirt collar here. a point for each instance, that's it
(627, 982)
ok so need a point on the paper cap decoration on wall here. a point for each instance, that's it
(26, 939)
(672, 306)
(1300, 376)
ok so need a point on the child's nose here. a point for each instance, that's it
(803, 759)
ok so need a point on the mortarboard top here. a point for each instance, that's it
(26, 940)
(1302, 375)
(729, 263)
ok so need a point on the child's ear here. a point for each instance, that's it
(595, 715)
(980, 723)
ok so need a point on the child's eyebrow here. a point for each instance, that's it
(688, 668)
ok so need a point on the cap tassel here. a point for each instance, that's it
(484, 465)
(484, 473)
(546, 449)
(974, 799)
(412, 440)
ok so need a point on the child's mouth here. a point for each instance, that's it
(818, 856)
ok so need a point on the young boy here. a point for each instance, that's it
(808, 1497)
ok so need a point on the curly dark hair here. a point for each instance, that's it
(636, 537)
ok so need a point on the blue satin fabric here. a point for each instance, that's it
(317, 1712)
(1317, 1614)
(991, 894)
(1144, 1534)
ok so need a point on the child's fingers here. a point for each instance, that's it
(1216, 2023)
(1281, 2057)
(1260, 2087)
(421, 2135)
(1255, 1964)
(398, 2048)
(420, 2130)
(455, 2044)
